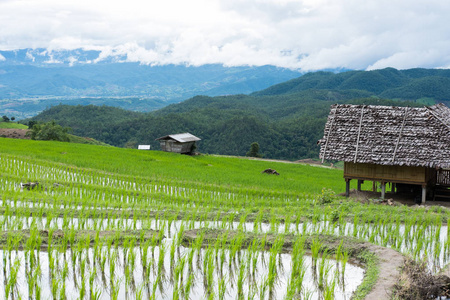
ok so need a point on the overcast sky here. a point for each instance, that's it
(305, 34)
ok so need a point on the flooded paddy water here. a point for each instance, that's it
(121, 273)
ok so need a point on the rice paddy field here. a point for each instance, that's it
(111, 223)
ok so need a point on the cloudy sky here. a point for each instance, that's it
(305, 34)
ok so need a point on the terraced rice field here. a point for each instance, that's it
(108, 223)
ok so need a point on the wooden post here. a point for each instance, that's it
(374, 186)
(359, 184)
(347, 187)
(424, 193)
(383, 189)
(394, 187)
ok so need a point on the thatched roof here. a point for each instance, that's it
(388, 135)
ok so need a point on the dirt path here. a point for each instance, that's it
(390, 263)
(14, 133)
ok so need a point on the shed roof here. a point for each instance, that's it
(180, 137)
(388, 135)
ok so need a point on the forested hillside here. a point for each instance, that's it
(421, 85)
(285, 126)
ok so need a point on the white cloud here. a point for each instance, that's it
(30, 56)
(307, 34)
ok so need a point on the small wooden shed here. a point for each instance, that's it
(178, 143)
(387, 144)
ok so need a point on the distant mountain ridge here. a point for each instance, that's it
(423, 85)
(33, 79)
(78, 73)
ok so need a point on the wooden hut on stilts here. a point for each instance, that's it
(403, 146)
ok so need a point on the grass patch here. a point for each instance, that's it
(12, 125)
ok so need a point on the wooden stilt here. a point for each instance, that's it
(383, 190)
(359, 184)
(347, 188)
(394, 188)
(424, 193)
(374, 186)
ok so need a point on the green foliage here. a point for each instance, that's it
(5, 119)
(254, 150)
(49, 132)
(326, 196)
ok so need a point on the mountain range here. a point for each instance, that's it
(33, 79)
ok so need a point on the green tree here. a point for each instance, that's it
(254, 150)
(5, 119)
(31, 124)
(49, 132)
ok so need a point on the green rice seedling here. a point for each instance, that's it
(338, 252)
(240, 281)
(323, 270)
(127, 273)
(188, 286)
(154, 242)
(345, 256)
(287, 222)
(436, 256)
(115, 288)
(252, 292)
(11, 281)
(291, 289)
(181, 265)
(95, 295)
(144, 251)
(316, 245)
(154, 287)
(305, 228)
(55, 284)
(329, 293)
(210, 274)
(140, 292)
(264, 284)
(242, 221)
(173, 247)
(190, 259)
(272, 272)
(37, 290)
(273, 222)
(92, 274)
(62, 290)
(162, 250)
(208, 254)
(222, 288)
(112, 267)
(355, 226)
